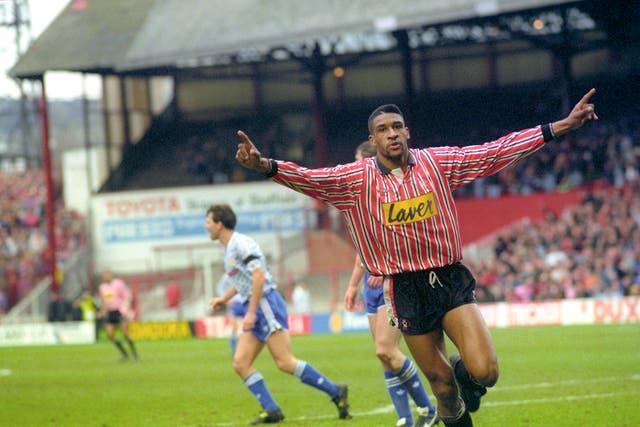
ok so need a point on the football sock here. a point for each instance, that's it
(462, 373)
(409, 377)
(132, 347)
(120, 347)
(310, 376)
(463, 421)
(257, 387)
(399, 396)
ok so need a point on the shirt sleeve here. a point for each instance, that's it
(248, 253)
(461, 165)
(339, 185)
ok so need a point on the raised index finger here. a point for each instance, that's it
(585, 99)
(245, 139)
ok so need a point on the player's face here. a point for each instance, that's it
(390, 136)
(213, 227)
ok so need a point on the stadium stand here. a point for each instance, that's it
(588, 250)
(199, 154)
(279, 83)
(23, 240)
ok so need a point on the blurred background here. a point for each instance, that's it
(118, 121)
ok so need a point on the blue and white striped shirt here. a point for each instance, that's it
(241, 258)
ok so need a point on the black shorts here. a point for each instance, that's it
(114, 317)
(417, 301)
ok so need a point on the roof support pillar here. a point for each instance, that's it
(126, 126)
(407, 74)
(425, 83)
(257, 81)
(492, 65)
(86, 127)
(318, 68)
(563, 56)
(46, 163)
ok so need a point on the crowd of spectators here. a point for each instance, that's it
(206, 155)
(207, 159)
(608, 152)
(23, 234)
(589, 250)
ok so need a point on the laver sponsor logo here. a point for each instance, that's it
(410, 210)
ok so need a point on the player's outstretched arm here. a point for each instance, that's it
(338, 185)
(582, 112)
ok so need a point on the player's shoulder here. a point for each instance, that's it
(242, 243)
(240, 239)
(420, 152)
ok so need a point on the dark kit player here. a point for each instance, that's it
(402, 218)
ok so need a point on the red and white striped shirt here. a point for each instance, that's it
(408, 224)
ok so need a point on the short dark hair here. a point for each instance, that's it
(367, 149)
(223, 213)
(386, 108)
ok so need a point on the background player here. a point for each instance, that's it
(235, 311)
(400, 373)
(115, 308)
(265, 319)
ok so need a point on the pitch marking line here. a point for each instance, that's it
(5, 372)
(634, 377)
(571, 398)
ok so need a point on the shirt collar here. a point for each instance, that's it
(411, 161)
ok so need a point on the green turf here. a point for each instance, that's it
(551, 376)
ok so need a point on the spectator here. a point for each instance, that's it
(60, 310)
(301, 299)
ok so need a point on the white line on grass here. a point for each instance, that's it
(570, 398)
(5, 372)
(634, 377)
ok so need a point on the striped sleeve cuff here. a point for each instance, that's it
(547, 132)
(274, 169)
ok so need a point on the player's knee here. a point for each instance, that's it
(487, 374)
(287, 365)
(240, 366)
(384, 355)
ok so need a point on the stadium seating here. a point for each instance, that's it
(23, 239)
(589, 250)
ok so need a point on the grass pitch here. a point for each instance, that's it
(550, 376)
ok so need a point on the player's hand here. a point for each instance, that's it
(375, 281)
(216, 302)
(248, 155)
(350, 297)
(582, 112)
(249, 321)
